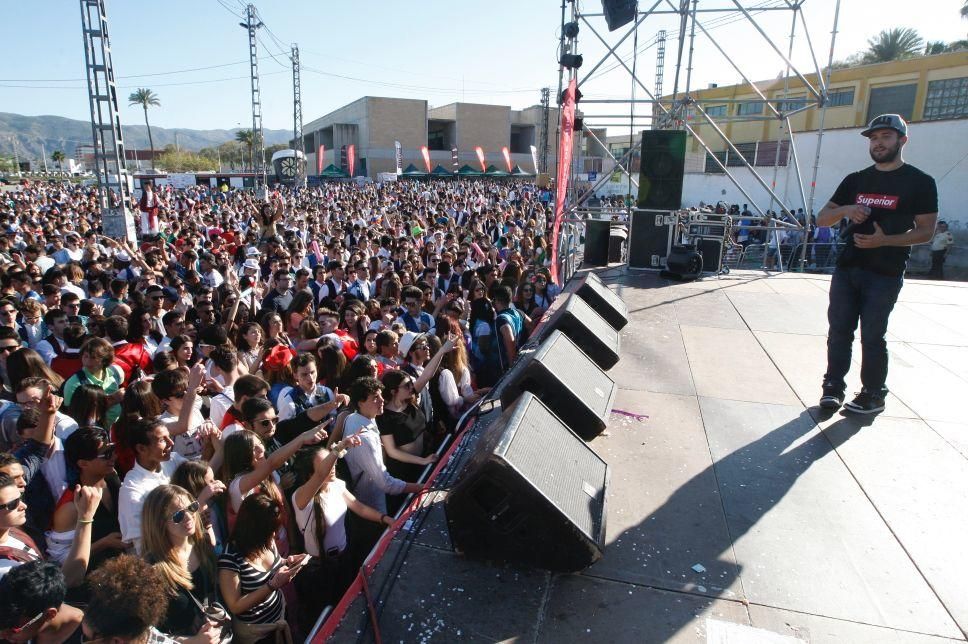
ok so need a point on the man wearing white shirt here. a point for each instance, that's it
(53, 345)
(155, 462)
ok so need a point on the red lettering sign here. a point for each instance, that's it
(886, 202)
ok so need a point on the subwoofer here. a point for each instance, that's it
(662, 169)
(596, 242)
(650, 238)
(601, 298)
(532, 492)
(586, 328)
(566, 381)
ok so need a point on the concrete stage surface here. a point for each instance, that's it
(806, 527)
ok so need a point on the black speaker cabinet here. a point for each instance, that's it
(532, 492)
(586, 328)
(566, 381)
(712, 253)
(650, 238)
(596, 242)
(619, 12)
(662, 170)
(601, 298)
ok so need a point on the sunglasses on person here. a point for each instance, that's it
(267, 422)
(16, 630)
(106, 453)
(180, 515)
(157, 297)
(12, 505)
(10, 348)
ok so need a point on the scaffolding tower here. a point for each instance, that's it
(660, 61)
(297, 120)
(251, 24)
(113, 182)
(543, 146)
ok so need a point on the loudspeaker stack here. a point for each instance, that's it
(532, 491)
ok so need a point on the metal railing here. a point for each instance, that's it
(820, 257)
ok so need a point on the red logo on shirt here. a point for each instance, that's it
(887, 202)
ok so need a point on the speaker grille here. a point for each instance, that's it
(554, 462)
(590, 384)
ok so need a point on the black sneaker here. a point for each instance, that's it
(832, 399)
(866, 403)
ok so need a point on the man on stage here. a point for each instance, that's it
(891, 206)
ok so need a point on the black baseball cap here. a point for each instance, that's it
(886, 121)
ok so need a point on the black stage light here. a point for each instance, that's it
(571, 61)
(571, 29)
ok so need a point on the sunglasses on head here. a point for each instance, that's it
(180, 515)
(10, 506)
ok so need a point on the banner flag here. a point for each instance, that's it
(319, 159)
(425, 152)
(480, 157)
(534, 158)
(507, 157)
(351, 158)
(399, 156)
(454, 156)
(564, 167)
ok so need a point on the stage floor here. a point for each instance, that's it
(807, 527)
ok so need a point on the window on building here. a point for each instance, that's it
(946, 99)
(711, 166)
(896, 99)
(791, 103)
(716, 110)
(841, 97)
(750, 107)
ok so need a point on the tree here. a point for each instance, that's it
(247, 138)
(894, 44)
(146, 98)
(58, 158)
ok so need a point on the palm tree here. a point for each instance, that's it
(145, 98)
(894, 44)
(58, 158)
(248, 139)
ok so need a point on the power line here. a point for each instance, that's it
(198, 82)
(230, 9)
(169, 73)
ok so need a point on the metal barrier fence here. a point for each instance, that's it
(820, 258)
(570, 249)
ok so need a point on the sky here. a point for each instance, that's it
(493, 51)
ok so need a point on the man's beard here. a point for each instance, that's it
(888, 155)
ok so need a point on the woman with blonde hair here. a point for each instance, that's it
(452, 391)
(175, 542)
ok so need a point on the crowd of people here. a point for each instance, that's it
(202, 433)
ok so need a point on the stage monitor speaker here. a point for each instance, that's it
(662, 169)
(532, 492)
(596, 242)
(566, 381)
(619, 12)
(650, 238)
(604, 300)
(586, 328)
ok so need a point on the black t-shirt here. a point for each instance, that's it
(894, 197)
(405, 426)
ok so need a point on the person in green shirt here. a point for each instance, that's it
(98, 369)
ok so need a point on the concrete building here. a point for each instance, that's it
(373, 123)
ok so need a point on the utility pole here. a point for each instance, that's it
(297, 121)
(16, 157)
(545, 123)
(43, 151)
(251, 24)
(113, 186)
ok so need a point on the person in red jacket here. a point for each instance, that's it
(133, 357)
(68, 363)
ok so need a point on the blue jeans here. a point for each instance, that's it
(858, 294)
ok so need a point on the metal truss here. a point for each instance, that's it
(113, 182)
(673, 113)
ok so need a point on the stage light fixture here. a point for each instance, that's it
(571, 30)
(571, 61)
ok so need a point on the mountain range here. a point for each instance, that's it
(59, 133)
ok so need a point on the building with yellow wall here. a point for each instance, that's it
(920, 89)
